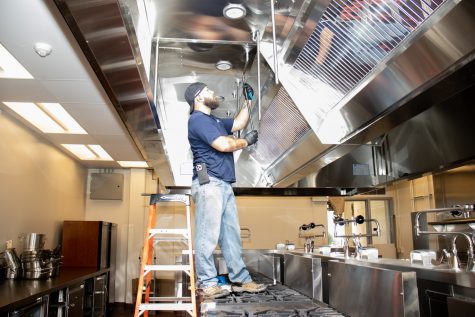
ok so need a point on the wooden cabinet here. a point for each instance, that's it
(86, 244)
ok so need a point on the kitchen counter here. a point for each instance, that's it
(17, 292)
(440, 273)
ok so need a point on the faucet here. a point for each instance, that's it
(455, 262)
(306, 231)
(358, 247)
(346, 248)
(464, 210)
(338, 221)
(452, 257)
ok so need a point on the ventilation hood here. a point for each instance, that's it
(145, 53)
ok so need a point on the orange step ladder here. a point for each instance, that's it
(146, 268)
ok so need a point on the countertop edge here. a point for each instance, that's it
(78, 275)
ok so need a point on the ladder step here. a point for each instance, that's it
(167, 267)
(169, 299)
(169, 231)
(171, 239)
(177, 307)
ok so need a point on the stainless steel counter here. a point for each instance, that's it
(440, 274)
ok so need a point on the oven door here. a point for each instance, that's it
(39, 308)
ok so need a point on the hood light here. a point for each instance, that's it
(224, 65)
(234, 11)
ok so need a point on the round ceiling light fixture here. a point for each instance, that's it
(234, 11)
(224, 65)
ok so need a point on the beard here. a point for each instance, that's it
(212, 103)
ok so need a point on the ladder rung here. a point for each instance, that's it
(169, 231)
(171, 239)
(185, 306)
(169, 299)
(167, 267)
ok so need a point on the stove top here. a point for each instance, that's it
(276, 301)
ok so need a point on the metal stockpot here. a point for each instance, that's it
(32, 241)
(11, 258)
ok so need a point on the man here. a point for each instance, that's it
(213, 145)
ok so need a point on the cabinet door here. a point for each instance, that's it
(76, 301)
(100, 295)
(38, 308)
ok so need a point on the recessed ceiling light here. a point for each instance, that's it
(234, 11)
(140, 164)
(10, 67)
(89, 152)
(48, 117)
(224, 65)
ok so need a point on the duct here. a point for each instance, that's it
(383, 99)
(186, 41)
(435, 140)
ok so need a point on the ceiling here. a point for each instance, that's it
(120, 68)
(65, 77)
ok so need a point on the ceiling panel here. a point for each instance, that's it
(64, 76)
(74, 91)
(24, 90)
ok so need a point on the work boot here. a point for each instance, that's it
(214, 291)
(249, 287)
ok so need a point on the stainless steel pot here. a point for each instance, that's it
(11, 258)
(32, 241)
(37, 274)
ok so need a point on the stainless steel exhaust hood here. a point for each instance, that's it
(146, 52)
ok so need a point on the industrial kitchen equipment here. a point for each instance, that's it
(459, 220)
(360, 251)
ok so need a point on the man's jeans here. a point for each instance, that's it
(216, 221)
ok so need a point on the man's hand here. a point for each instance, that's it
(251, 137)
(247, 91)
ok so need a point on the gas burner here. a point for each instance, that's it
(319, 312)
(277, 287)
(254, 298)
(224, 300)
(276, 313)
(224, 313)
(292, 298)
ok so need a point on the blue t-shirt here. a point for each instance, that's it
(203, 129)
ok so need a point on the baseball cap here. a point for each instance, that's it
(191, 92)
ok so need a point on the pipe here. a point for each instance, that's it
(276, 66)
(469, 251)
(307, 229)
(257, 38)
(465, 209)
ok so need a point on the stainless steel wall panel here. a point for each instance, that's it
(360, 291)
(303, 273)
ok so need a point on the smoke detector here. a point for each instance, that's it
(234, 11)
(43, 49)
